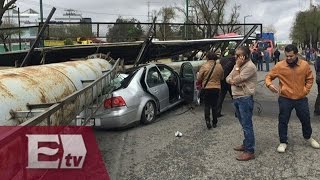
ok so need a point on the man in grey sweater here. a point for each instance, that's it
(243, 80)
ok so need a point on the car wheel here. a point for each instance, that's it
(149, 113)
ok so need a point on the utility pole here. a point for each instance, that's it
(41, 41)
(244, 24)
(19, 29)
(187, 20)
(148, 11)
(41, 12)
(9, 22)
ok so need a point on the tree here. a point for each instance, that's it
(306, 28)
(167, 14)
(211, 12)
(125, 30)
(5, 34)
(62, 32)
(269, 28)
(4, 7)
(233, 19)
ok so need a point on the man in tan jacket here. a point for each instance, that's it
(243, 80)
(295, 81)
(211, 88)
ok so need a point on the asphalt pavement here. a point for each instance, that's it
(153, 151)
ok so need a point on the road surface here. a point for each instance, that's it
(153, 151)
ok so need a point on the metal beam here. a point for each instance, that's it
(38, 37)
(145, 44)
(247, 36)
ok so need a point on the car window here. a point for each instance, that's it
(116, 82)
(154, 78)
(187, 71)
(165, 73)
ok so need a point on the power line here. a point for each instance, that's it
(88, 12)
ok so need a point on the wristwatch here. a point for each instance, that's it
(237, 68)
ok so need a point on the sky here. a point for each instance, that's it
(279, 13)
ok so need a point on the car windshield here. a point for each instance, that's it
(264, 44)
(120, 81)
(117, 82)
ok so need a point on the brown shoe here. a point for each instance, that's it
(245, 156)
(239, 148)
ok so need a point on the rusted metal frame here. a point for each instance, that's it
(37, 120)
(87, 119)
(105, 71)
(67, 100)
(86, 81)
(24, 114)
(93, 108)
(48, 121)
(37, 106)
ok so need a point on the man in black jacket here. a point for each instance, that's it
(276, 56)
(227, 64)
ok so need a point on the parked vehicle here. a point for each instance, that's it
(266, 42)
(143, 92)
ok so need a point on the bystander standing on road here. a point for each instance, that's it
(266, 58)
(210, 75)
(254, 56)
(295, 82)
(260, 59)
(317, 69)
(243, 80)
(227, 64)
(276, 56)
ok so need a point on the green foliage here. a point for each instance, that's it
(4, 34)
(306, 27)
(125, 32)
(62, 32)
(166, 14)
(68, 41)
(212, 12)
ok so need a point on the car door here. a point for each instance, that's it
(188, 82)
(157, 86)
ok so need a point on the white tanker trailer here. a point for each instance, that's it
(45, 84)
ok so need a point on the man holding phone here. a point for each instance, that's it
(295, 81)
(243, 80)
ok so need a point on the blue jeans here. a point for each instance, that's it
(267, 64)
(244, 109)
(260, 65)
(302, 110)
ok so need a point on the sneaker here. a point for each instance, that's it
(282, 148)
(313, 143)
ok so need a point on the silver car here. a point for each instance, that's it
(145, 91)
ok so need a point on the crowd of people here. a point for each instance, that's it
(237, 74)
(261, 56)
